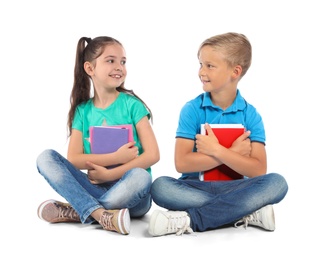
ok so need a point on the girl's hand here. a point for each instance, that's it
(98, 174)
(127, 152)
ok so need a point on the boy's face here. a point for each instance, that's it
(214, 72)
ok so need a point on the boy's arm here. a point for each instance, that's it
(251, 165)
(188, 161)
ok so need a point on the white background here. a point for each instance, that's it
(286, 83)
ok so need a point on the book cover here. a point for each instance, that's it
(107, 139)
(128, 126)
(226, 134)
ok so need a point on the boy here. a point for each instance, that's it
(196, 205)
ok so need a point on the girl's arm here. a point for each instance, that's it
(79, 159)
(150, 154)
(149, 157)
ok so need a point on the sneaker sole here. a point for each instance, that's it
(124, 221)
(152, 223)
(41, 207)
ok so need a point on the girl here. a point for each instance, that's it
(107, 195)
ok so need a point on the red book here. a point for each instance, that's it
(226, 134)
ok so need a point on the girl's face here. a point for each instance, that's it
(110, 70)
(214, 72)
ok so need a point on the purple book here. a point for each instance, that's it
(106, 139)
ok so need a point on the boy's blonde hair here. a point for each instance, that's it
(235, 47)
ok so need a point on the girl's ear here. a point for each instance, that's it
(237, 71)
(88, 67)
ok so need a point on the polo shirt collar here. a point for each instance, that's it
(238, 104)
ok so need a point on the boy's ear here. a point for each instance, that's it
(88, 67)
(237, 71)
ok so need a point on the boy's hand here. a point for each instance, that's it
(207, 144)
(242, 144)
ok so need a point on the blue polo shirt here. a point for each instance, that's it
(201, 110)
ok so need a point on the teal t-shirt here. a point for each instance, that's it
(126, 109)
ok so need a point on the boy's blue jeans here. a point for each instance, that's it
(214, 204)
(131, 191)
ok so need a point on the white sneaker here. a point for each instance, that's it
(169, 222)
(263, 218)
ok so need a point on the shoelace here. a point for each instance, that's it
(252, 218)
(106, 221)
(67, 212)
(179, 225)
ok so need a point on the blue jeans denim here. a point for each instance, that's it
(211, 205)
(132, 191)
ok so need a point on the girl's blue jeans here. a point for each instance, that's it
(214, 204)
(132, 191)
